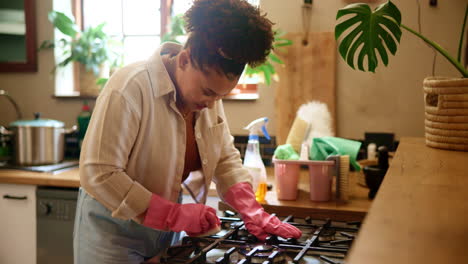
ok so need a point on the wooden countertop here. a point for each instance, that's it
(420, 214)
(67, 178)
(353, 210)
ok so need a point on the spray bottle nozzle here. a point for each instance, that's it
(256, 126)
(265, 132)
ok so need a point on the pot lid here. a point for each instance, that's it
(37, 122)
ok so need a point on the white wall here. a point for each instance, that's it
(390, 100)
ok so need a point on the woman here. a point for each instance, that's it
(159, 124)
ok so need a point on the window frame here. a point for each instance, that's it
(245, 91)
(77, 10)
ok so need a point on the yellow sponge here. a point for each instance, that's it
(297, 133)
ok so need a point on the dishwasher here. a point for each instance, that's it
(55, 218)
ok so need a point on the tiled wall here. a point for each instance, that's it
(267, 147)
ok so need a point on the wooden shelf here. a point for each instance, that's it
(12, 22)
(12, 28)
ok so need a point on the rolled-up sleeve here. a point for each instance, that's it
(107, 146)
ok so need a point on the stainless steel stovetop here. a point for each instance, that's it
(322, 241)
(58, 167)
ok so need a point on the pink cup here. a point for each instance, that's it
(320, 180)
(286, 179)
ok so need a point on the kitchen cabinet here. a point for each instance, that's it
(18, 36)
(17, 224)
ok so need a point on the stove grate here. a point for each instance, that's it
(322, 241)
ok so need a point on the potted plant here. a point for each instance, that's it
(267, 70)
(378, 31)
(92, 49)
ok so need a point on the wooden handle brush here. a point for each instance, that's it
(343, 178)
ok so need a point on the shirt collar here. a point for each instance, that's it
(161, 82)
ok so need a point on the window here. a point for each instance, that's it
(180, 6)
(138, 24)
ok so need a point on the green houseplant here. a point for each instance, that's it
(91, 48)
(265, 72)
(365, 33)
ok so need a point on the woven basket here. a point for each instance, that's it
(446, 106)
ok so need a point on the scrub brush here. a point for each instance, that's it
(312, 120)
(343, 178)
(336, 172)
(297, 133)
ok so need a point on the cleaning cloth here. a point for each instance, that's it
(286, 152)
(325, 146)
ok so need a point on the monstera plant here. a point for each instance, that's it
(367, 34)
(379, 31)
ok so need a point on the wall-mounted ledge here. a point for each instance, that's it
(243, 92)
(74, 97)
(244, 96)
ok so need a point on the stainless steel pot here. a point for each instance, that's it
(38, 141)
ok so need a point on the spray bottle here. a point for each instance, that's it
(253, 161)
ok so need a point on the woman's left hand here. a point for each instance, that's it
(242, 198)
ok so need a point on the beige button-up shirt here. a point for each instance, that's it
(135, 142)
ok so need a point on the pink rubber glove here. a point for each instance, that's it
(242, 198)
(194, 219)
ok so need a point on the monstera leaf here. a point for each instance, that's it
(372, 31)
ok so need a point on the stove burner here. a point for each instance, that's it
(327, 235)
(262, 253)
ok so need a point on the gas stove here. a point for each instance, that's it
(322, 241)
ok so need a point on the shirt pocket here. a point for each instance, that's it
(215, 140)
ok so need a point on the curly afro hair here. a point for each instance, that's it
(227, 34)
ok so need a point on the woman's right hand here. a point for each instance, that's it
(194, 219)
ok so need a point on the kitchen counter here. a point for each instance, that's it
(354, 209)
(420, 214)
(67, 178)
